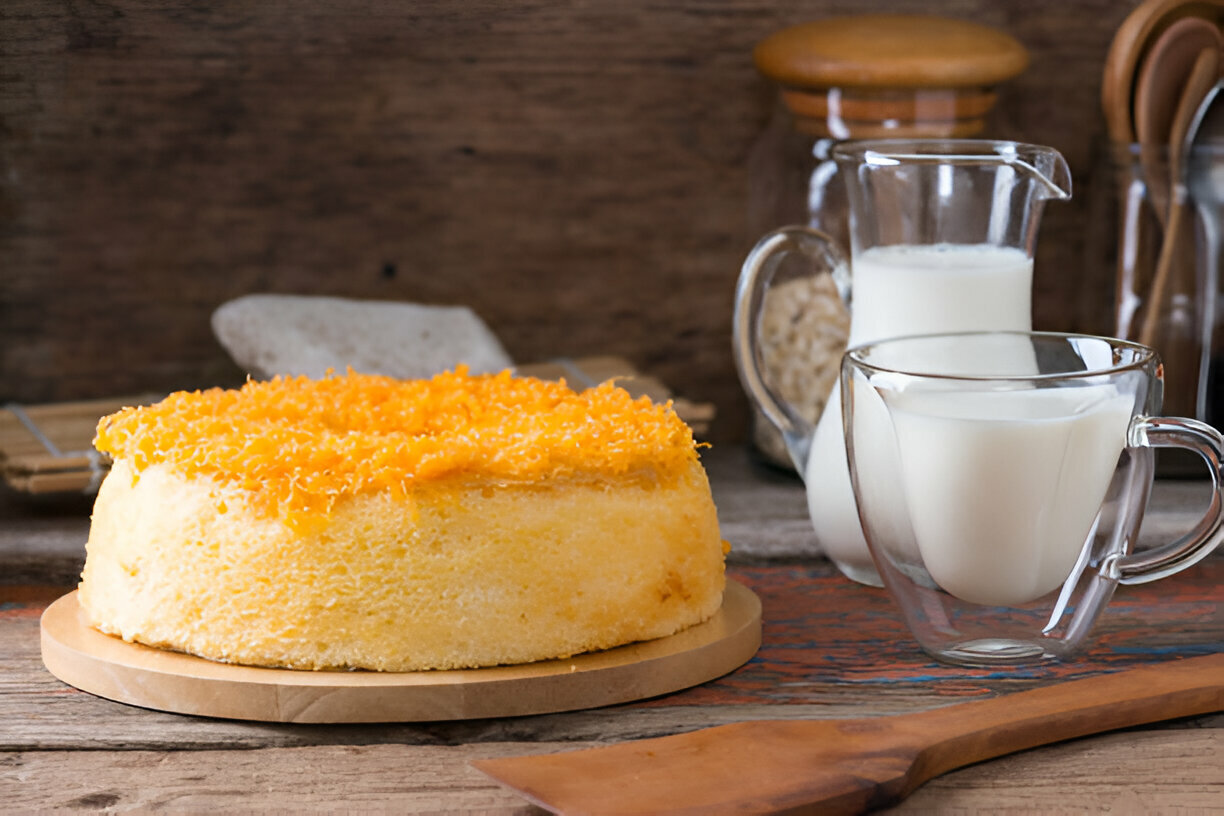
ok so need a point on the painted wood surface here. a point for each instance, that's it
(577, 172)
(831, 650)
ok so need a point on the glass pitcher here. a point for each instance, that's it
(942, 236)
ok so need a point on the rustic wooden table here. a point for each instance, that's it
(831, 649)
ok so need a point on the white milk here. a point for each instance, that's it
(940, 288)
(1003, 488)
(899, 290)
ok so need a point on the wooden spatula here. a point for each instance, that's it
(848, 766)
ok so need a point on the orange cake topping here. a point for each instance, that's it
(299, 444)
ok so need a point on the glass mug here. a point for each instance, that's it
(1001, 479)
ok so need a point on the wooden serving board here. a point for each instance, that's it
(171, 681)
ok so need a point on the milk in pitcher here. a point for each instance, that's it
(900, 290)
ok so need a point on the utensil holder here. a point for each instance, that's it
(1166, 288)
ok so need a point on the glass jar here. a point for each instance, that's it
(856, 77)
(1167, 290)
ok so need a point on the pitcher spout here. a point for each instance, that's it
(1045, 167)
(980, 191)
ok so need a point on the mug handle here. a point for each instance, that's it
(1161, 562)
(756, 276)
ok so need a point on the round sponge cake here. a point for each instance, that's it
(364, 522)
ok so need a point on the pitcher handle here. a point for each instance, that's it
(755, 279)
(1160, 562)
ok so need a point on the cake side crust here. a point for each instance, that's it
(449, 576)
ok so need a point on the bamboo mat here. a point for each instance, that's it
(49, 448)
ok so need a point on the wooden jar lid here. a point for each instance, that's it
(890, 51)
(909, 105)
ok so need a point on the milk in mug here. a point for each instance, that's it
(1003, 488)
(900, 290)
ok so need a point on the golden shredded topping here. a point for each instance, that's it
(299, 444)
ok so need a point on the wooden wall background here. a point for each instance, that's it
(575, 170)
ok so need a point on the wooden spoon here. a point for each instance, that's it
(1126, 49)
(1162, 76)
(1164, 71)
(848, 766)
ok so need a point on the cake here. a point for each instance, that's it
(363, 522)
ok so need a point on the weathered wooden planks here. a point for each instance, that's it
(576, 172)
(1134, 772)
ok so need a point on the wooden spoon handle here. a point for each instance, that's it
(1163, 277)
(962, 734)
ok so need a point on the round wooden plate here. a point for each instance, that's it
(170, 681)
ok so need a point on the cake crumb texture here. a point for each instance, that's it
(457, 578)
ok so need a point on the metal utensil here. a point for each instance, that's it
(1205, 181)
